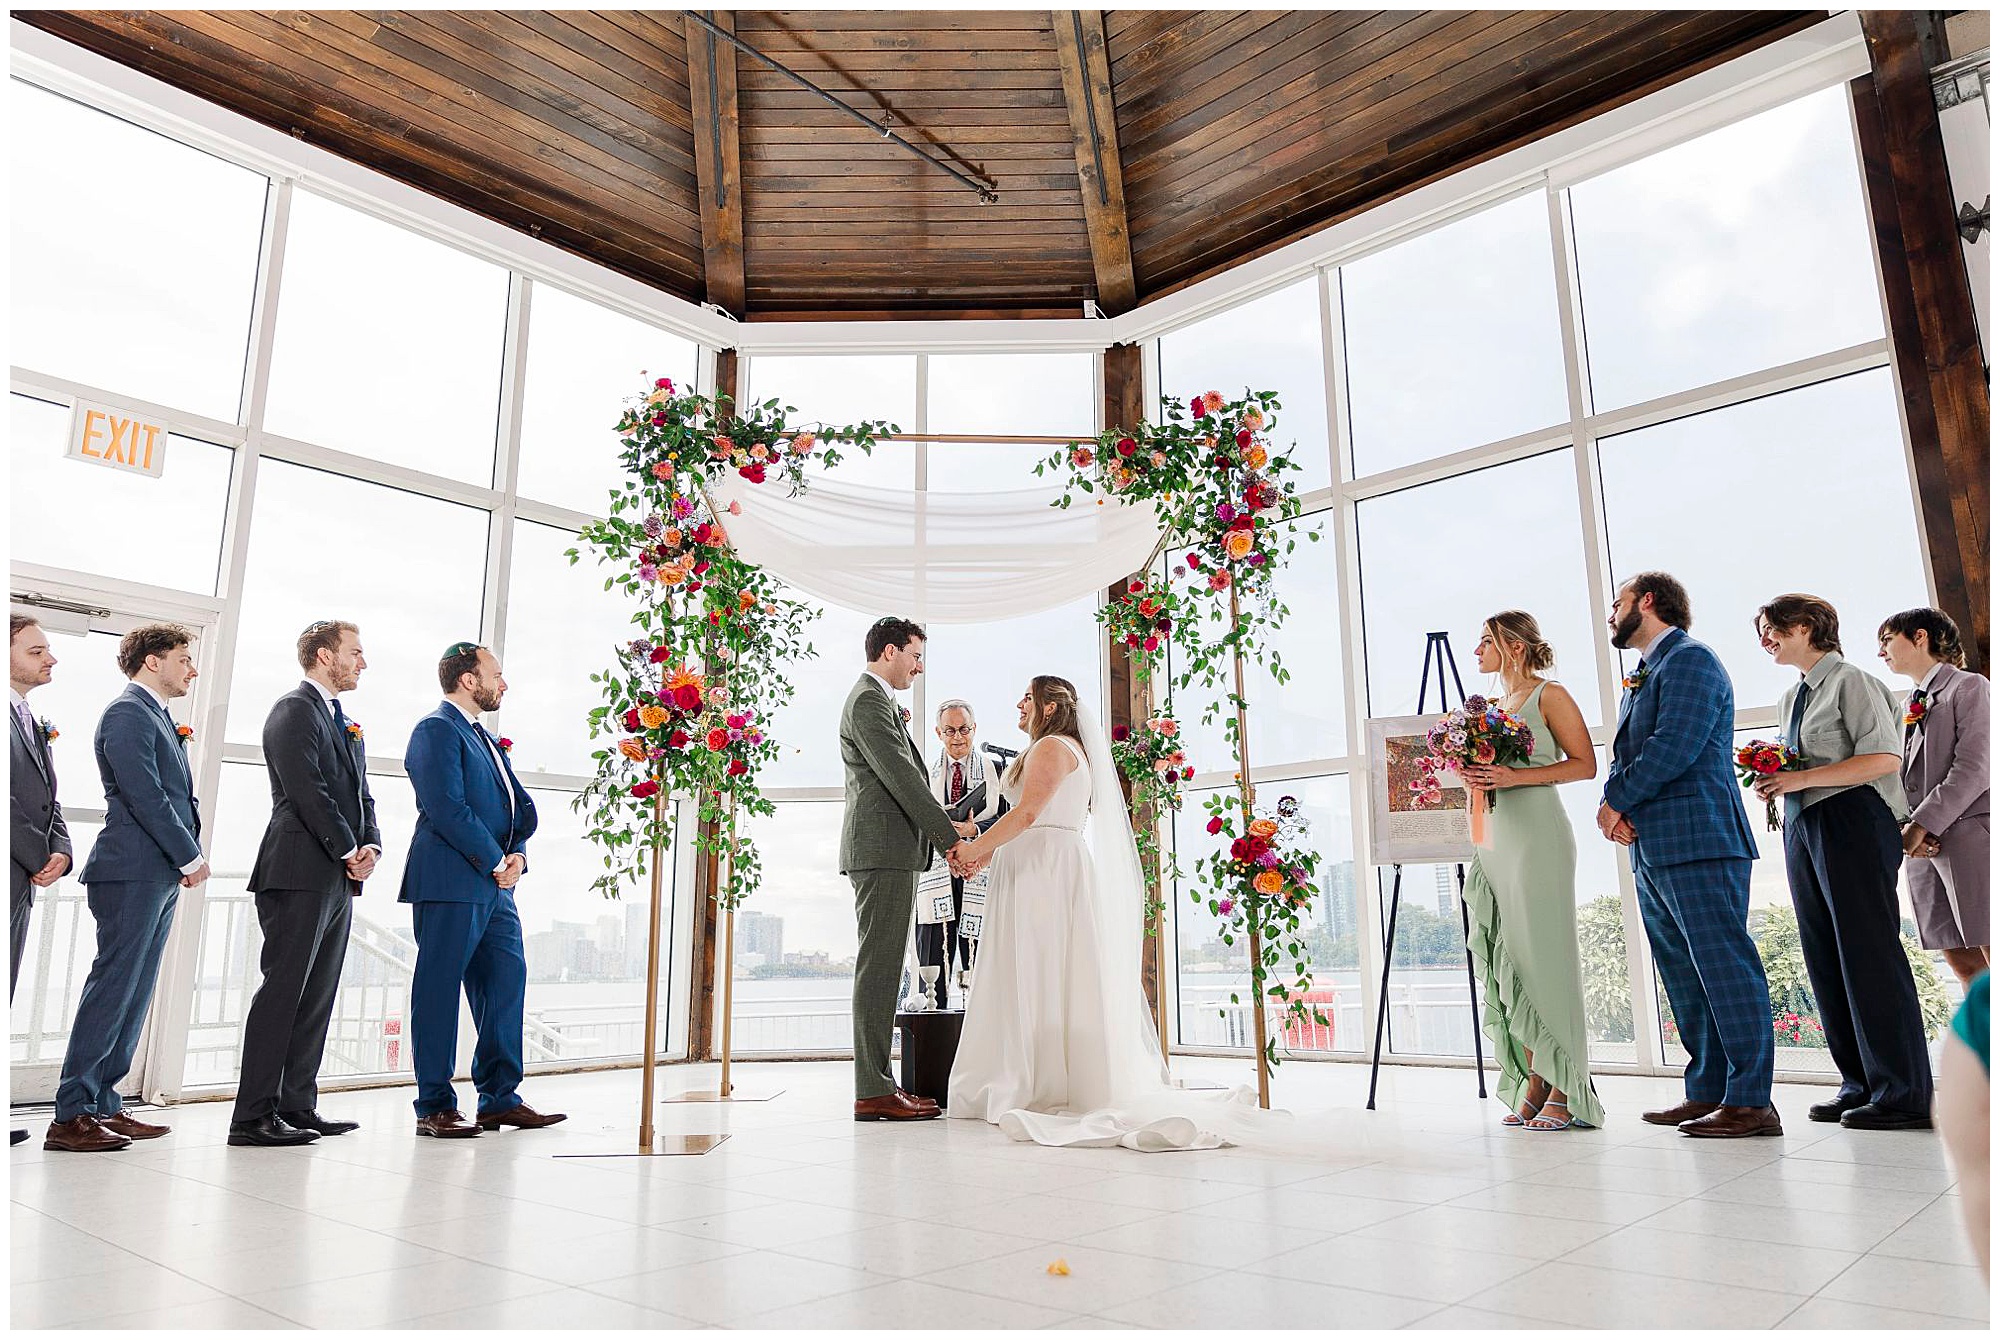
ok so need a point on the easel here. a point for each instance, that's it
(1436, 651)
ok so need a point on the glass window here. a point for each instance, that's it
(62, 942)
(1304, 718)
(841, 389)
(1209, 969)
(1270, 344)
(1453, 338)
(1600, 925)
(1430, 994)
(1804, 491)
(1744, 249)
(135, 258)
(85, 682)
(409, 570)
(1333, 933)
(794, 959)
(562, 628)
(82, 516)
(583, 361)
(388, 344)
(1029, 394)
(1425, 568)
(989, 665)
(807, 729)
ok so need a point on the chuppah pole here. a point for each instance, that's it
(1249, 795)
(725, 1088)
(650, 1056)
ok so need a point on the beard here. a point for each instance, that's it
(1626, 629)
(487, 698)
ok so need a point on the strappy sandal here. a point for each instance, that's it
(1542, 1121)
(1532, 1105)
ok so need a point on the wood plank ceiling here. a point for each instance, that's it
(1133, 151)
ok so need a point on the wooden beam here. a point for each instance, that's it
(718, 159)
(1093, 123)
(1935, 335)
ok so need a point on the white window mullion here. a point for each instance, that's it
(506, 465)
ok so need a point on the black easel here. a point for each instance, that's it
(1436, 651)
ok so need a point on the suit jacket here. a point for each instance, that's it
(152, 822)
(38, 830)
(1672, 759)
(1946, 761)
(465, 827)
(892, 822)
(320, 805)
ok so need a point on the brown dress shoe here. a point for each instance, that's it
(897, 1106)
(520, 1115)
(131, 1127)
(449, 1124)
(1680, 1112)
(82, 1135)
(1731, 1123)
(917, 1098)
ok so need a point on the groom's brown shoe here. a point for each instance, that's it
(1730, 1123)
(917, 1098)
(1679, 1113)
(897, 1106)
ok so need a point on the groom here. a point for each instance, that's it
(891, 824)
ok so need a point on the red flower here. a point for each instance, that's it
(701, 566)
(1215, 825)
(677, 740)
(1240, 849)
(1152, 644)
(1244, 438)
(632, 719)
(1121, 732)
(1131, 639)
(1199, 406)
(646, 789)
(718, 739)
(506, 745)
(659, 656)
(1194, 561)
(1187, 773)
(687, 698)
(665, 384)
(754, 472)
(1165, 625)
(737, 767)
(701, 533)
(1135, 587)
(1126, 446)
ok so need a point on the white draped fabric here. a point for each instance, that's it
(943, 557)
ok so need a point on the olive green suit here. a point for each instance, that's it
(891, 824)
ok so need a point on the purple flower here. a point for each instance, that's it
(654, 527)
(648, 573)
(1257, 560)
(1224, 512)
(1225, 907)
(1269, 860)
(683, 509)
(1476, 703)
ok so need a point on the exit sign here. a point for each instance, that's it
(119, 438)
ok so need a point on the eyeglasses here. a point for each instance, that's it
(953, 732)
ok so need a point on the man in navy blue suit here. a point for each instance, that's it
(474, 820)
(1671, 796)
(149, 850)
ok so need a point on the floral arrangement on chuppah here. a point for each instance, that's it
(689, 700)
(1226, 501)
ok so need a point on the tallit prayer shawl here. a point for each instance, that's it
(981, 803)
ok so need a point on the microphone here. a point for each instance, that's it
(1000, 752)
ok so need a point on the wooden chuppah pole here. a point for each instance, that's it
(1249, 794)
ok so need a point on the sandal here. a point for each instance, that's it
(1530, 1105)
(1542, 1121)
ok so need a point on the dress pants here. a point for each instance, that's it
(1841, 859)
(477, 946)
(938, 945)
(284, 1034)
(1697, 917)
(23, 911)
(884, 903)
(132, 925)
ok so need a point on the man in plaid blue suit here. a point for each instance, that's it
(1671, 797)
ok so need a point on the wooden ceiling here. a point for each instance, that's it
(1133, 151)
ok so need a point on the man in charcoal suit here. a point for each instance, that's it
(39, 841)
(968, 786)
(149, 850)
(474, 819)
(320, 845)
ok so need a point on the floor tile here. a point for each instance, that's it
(1203, 1239)
(1693, 1256)
(1773, 1225)
(724, 1291)
(132, 1288)
(1937, 1233)
(906, 1305)
(1594, 1296)
(210, 1314)
(1223, 1302)
(1827, 1314)
(386, 1297)
(1096, 1281)
(564, 1310)
(905, 1248)
(1533, 1236)
(1359, 1260)
(1592, 1204)
(1918, 1286)
(1476, 1319)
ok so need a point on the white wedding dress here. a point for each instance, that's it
(1057, 1045)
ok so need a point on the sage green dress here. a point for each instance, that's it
(1521, 893)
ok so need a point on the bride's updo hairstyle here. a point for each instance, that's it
(1044, 692)
(1509, 626)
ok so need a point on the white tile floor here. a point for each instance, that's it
(1423, 1214)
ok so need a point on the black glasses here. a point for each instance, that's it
(955, 731)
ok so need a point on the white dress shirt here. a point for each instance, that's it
(199, 861)
(327, 695)
(501, 768)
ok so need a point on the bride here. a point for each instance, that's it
(1057, 1045)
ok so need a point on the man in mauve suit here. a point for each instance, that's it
(320, 845)
(149, 850)
(474, 820)
(1671, 796)
(1947, 781)
(39, 841)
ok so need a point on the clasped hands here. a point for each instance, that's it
(511, 871)
(1615, 826)
(1919, 841)
(51, 871)
(362, 864)
(969, 857)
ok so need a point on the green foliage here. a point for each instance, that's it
(1607, 985)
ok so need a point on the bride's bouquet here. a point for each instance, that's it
(1479, 734)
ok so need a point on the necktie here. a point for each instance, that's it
(26, 718)
(1918, 701)
(1794, 801)
(339, 718)
(957, 784)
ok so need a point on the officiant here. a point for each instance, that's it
(950, 909)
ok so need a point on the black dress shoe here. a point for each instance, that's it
(1833, 1108)
(311, 1120)
(271, 1130)
(17, 1137)
(1869, 1117)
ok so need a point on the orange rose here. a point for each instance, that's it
(1269, 882)
(672, 538)
(652, 716)
(1253, 419)
(632, 749)
(745, 601)
(803, 443)
(1212, 399)
(723, 444)
(1256, 458)
(1263, 828)
(1238, 543)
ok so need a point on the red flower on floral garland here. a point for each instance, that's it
(754, 472)
(1215, 826)
(1121, 732)
(737, 767)
(718, 739)
(645, 790)
(677, 740)
(632, 719)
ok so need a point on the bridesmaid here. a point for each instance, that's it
(1947, 842)
(1521, 892)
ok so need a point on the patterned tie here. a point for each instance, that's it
(1794, 801)
(957, 784)
(26, 718)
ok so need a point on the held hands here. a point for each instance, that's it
(511, 872)
(968, 858)
(1917, 841)
(51, 871)
(1615, 826)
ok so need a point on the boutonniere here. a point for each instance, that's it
(354, 732)
(1919, 708)
(49, 733)
(1638, 677)
(906, 714)
(506, 745)
(185, 732)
